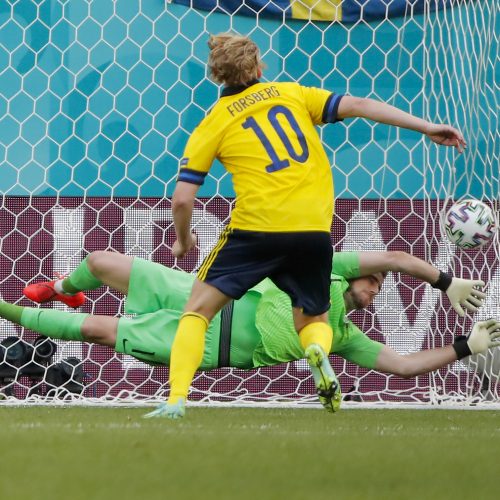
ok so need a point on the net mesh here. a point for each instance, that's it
(98, 100)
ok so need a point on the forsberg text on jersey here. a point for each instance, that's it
(252, 98)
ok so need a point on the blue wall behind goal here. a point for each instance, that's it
(98, 98)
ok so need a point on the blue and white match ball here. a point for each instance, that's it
(470, 224)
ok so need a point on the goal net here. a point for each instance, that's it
(98, 100)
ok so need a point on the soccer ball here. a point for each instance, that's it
(470, 224)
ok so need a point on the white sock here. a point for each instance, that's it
(58, 287)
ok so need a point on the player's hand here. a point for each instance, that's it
(465, 293)
(484, 335)
(445, 135)
(179, 250)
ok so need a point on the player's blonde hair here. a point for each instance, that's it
(233, 60)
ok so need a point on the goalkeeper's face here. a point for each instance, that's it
(362, 291)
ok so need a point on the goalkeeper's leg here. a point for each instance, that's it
(63, 325)
(108, 268)
(316, 339)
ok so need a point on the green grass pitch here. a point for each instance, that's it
(248, 453)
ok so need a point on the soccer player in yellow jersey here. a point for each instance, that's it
(264, 134)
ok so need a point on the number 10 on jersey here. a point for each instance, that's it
(278, 163)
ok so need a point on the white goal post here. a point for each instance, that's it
(97, 100)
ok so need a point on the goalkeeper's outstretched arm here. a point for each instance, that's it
(462, 293)
(484, 335)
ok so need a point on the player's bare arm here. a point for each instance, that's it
(400, 262)
(182, 211)
(382, 112)
(484, 335)
(462, 293)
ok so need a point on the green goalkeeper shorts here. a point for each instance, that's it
(157, 296)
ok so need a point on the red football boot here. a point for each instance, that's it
(45, 292)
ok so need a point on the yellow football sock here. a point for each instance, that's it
(317, 333)
(187, 354)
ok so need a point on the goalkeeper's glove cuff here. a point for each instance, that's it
(443, 282)
(461, 347)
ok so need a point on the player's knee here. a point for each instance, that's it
(97, 262)
(99, 330)
(87, 332)
(205, 300)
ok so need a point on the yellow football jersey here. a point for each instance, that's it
(265, 136)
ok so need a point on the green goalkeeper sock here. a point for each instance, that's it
(11, 312)
(52, 323)
(55, 324)
(80, 279)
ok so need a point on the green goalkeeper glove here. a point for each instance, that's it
(465, 293)
(484, 335)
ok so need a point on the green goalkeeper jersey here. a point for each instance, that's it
(274, 320)
(259, 332)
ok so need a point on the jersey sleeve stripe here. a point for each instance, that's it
(330, 109)
(191, 176)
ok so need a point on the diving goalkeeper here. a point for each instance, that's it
(256, 330)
